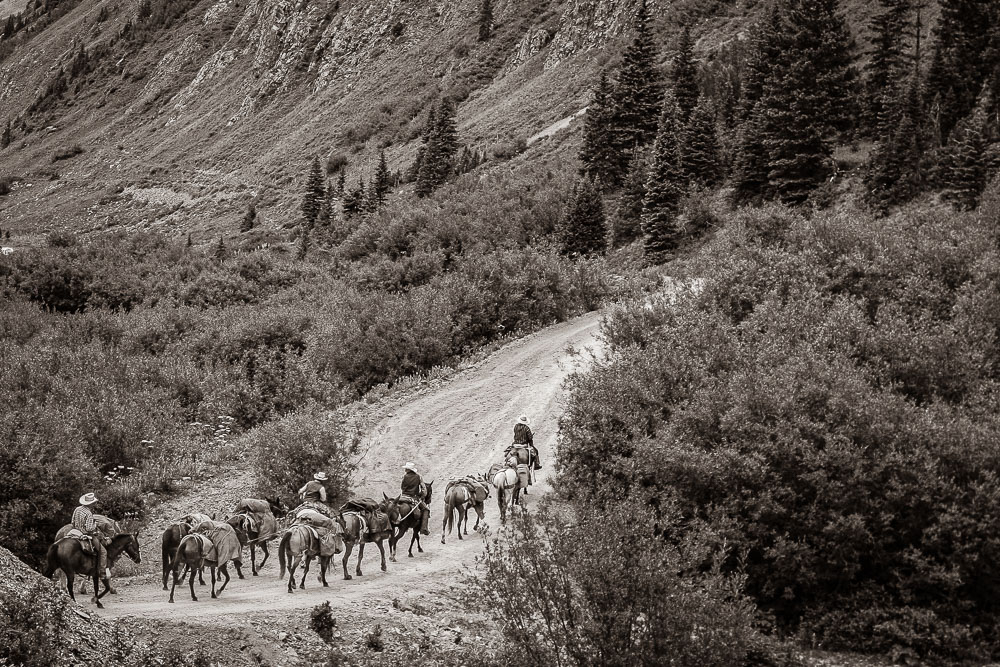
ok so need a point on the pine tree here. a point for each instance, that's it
(485, 20)
(304, 243)
(765, 45)
(249, 218)
(312, 198)
(684, 76)
(425, 138)
(888, 64)
(804, 100)
(965, 169)
(438, 160)
(341, 184)
(627, 221)
(380, 184)
(664, 186)
(325, 216)
(354, 201)
(220, 250)
(584, 230)
(699, 151)
(5, 137)
(597, 155)
(637, 95)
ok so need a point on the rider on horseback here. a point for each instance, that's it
(313, 494)
(523, 437)
(413, 488)
(83, 520)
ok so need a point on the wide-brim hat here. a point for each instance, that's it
(523, 419)
(88, 499)
(411, 466)
(320, 476)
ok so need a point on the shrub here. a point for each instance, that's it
(606, 589)
(825, 401)
(287, 452)
(32, 625)
(373, 640)
(323, 622)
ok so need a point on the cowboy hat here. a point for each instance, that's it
(523, 419)
(320, 476)
(88, 499)
(410, 465)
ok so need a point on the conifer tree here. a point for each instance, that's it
(5, 137)
(965, 169)
(889, 62)
(325, 216)
(684, 76)
(638, 94)
(312, 198)
(354, 201)
(249, 218)
(425, 137)
(664, 186)
(380, 183)
(627, 221)
(765, 45)
(584, 228)
(438, 161)
(597, 155)
(304, 243)
(220, 250)
(804, 99)
(699, 151)
(485, 20)
(341, 184)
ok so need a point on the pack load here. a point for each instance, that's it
(225, 544)
(259, 512)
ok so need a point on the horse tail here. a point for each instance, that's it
(449, 509)
(282, 546)
(51, 561)
(165, 553)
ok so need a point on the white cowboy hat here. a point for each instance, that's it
(523, 419)
(410, 465)
(320, 476)
(88, 499)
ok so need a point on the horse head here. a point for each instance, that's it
(430, 492)
(278, 509)
(131, 546)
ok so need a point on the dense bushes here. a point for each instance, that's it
(110, 347)
(605, 590)
(826, 400)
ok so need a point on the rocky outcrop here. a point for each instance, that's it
(590, 24)
(530, 45)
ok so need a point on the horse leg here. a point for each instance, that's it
(414, 538)
(381, 550)
(97, 586)
(225, 572)
(393, 539)
(191, 581)
(305, 570)
(444, 523)
(324, 563)
(107, 589)
(70, 575)
(361, 555)
(463, 517)
(253, 559)
(166, 570)
(293, 565)
(263, 548)
(201, 575)
(348, 548)
(238, 564)
(212, 568)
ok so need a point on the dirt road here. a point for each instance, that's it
(457, 427)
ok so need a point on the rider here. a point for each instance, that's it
(524, 436)
(313, 494)
(83, 520)
(412, 486)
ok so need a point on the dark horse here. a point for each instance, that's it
(351, 523)
(171, 539)
(404, 516)
(190, 554)
(68, 555)
(252, 529)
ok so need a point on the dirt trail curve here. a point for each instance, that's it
(458, 427)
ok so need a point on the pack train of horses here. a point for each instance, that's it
(310, 531)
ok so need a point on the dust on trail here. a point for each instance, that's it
(458, 427)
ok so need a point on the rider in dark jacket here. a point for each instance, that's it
(412, 486)
(524, 436)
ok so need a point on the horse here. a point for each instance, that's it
(169, 542)
(246, 526)
(504, 479)
(300, 539)
(404, 518)
(190, 554)
(458, 498)
(352, 525)
(68, 555)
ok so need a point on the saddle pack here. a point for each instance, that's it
(83, 538)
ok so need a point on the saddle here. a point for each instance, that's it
(83, 538)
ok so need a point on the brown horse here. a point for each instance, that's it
(68, 555)
(300, 539)
(403, 516)
(459, 499)
(169, 542)
(354, 534)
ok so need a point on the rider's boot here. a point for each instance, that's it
(425, 517)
